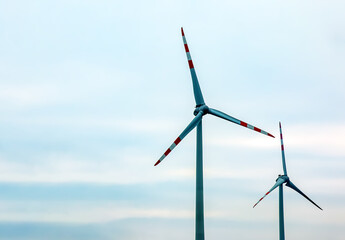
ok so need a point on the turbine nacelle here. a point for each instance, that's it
(285, 178)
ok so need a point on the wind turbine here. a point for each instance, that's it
(279, 183)
(201, 109)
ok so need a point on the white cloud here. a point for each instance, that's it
(72, 212)
(326, 139)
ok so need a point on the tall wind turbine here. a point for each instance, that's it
(201, 109)
(279, 183)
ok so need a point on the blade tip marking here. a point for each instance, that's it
(157, 162)
(271, 135)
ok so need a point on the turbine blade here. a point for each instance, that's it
(279, 182)
(185, 132)
(199, 100)
(291, 185)
(235, 120)
(282, 147)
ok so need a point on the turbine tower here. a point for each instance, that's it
(201, 109)
(279, 183)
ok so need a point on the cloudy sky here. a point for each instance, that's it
(93, 92)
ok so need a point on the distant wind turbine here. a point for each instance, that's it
(279, 183)
(201, 109)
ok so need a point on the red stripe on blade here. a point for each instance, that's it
(186, 48)
(257, 129)
(244, 124)
(270, 135)
(281, 136)
(190, 64)
(177, 141)
(157, 162)
(167, 152)
(182, 31)
(267, 193)
(282, 147)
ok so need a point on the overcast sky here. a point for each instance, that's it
(93, 92)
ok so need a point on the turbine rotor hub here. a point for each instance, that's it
(203, 108)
